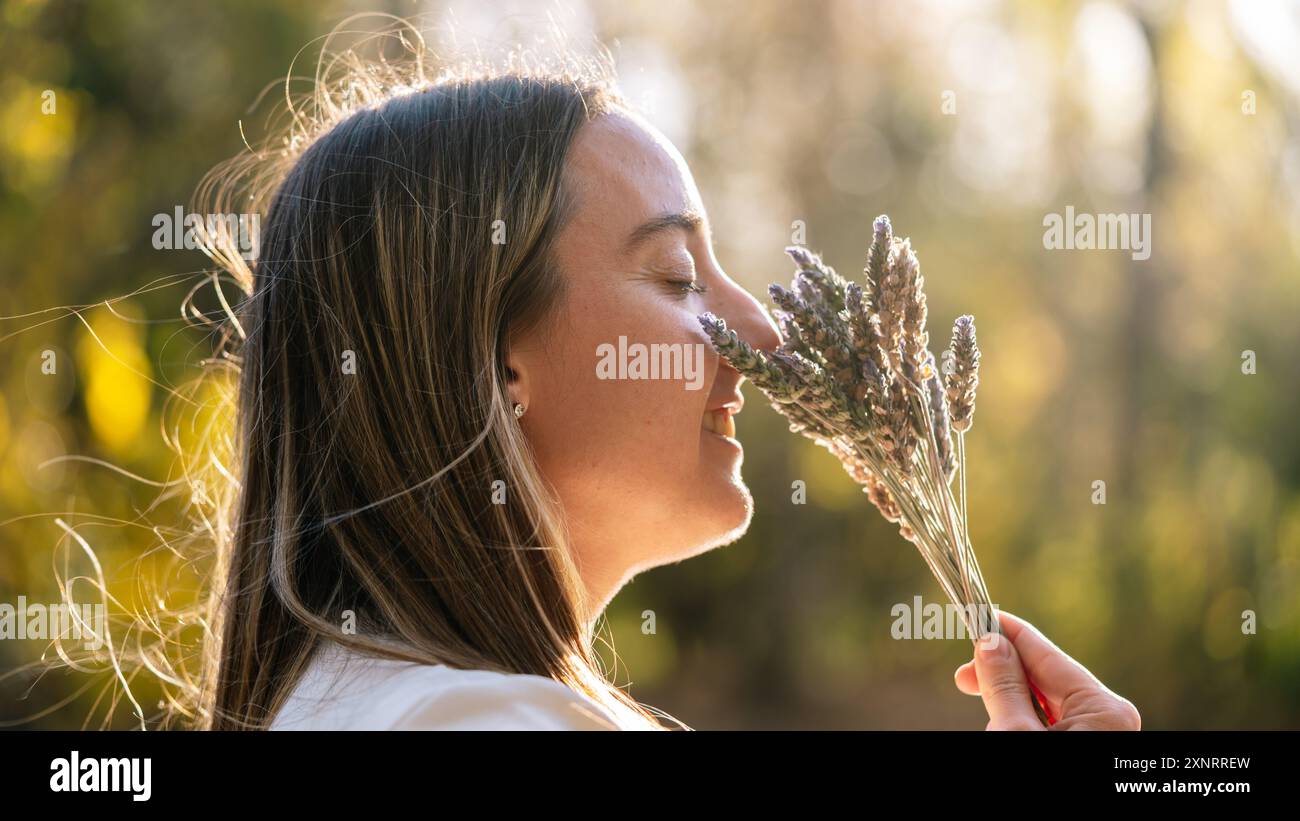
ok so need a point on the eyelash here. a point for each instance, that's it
(688, 286)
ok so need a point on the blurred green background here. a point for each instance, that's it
(967, 122)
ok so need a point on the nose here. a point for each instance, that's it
(745, 315)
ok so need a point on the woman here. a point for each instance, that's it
(438, 492)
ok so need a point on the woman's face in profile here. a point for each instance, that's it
(647, 469)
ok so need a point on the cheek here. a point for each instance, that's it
(631, 438)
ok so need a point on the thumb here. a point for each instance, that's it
(1003, 685)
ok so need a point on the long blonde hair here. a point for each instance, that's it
(409, 216)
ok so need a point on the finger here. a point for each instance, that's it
(1052, 671)
(966, 679)
(1003, 686)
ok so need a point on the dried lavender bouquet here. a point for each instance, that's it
(854, 373)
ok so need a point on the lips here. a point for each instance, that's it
(720, 421)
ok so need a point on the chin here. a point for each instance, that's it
(712, 513)
(725, 520)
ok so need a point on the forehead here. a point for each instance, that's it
(624, 172)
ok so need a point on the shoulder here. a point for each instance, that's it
(487, 700)
(344, 690)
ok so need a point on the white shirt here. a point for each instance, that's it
(347, 690)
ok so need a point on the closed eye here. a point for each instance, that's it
(688, 286)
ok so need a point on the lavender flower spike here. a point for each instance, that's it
(964, 377)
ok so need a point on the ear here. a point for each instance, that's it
(517, 377)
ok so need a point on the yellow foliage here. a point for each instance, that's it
(116, 372)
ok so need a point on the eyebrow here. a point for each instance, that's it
(689, 221)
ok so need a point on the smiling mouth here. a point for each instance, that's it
(720, 422)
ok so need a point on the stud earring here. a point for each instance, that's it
(519, 409)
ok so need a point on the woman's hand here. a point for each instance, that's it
(1074, 696)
